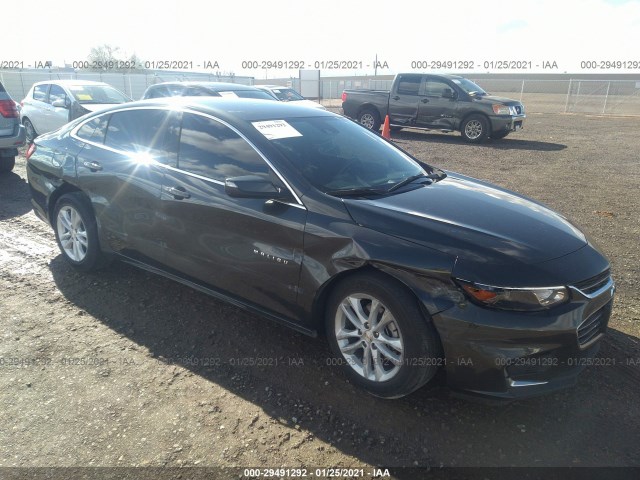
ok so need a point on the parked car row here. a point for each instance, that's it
(314, 221)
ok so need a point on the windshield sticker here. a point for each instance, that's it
(275, 129)
(84, 97)
(228, 94)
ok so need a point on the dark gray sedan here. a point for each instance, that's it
(313, 221)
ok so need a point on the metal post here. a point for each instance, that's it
(521, 91)
(566, 105)
(606, 98)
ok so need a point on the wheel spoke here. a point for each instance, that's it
(373, 313)
(366, 361)
(65, 220)
(82, 239)
(384, 321)
(344, 334)
(394, 343)
(350, 348)
(378, 369)
(390, 354)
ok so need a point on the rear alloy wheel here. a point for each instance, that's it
(7, 164)
(369, 119)
(378, 333)
(30, 131)
(76, 232)
(475, 129)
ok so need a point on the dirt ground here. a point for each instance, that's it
(124, 368)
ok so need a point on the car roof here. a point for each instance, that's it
(273, 86)
(213, 86)
(72, 82)
(232, 110)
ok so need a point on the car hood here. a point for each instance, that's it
(509, 102)
(472, 220)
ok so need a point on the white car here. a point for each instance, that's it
(53, 103)
(286, 94)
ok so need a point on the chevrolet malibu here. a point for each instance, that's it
(313, 221)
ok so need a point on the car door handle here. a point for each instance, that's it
(425, 100)
(178, 193)
(93, 166)
(395, 98)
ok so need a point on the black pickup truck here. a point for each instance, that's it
(436, 102)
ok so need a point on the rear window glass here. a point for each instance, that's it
(95, 130)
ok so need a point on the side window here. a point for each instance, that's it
(435, 88)
(158, 92)
(56, 93)
(409, 84)
(194, 92)
(213, 150)
(145, 132)
(40, 92)
(94, 130)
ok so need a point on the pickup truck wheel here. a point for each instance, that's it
(475, 129)
(498, 136)
(370, 119)
(379, 335)
(7, 164)
(393, 128)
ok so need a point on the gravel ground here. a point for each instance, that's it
(123, 368)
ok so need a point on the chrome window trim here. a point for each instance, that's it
(74, 135)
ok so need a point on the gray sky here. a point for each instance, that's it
(485, 32)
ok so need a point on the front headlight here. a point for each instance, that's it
(515, 298)
(501, 109)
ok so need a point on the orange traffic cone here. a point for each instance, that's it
(386, 131)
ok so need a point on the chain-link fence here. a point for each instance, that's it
(132, 84)
(606, 97)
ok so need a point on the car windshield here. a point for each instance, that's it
(287, 94)
(468, 86)
(337, 155)
(86, 94)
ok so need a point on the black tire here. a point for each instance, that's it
(417, 361)
(498, 136)
(89, 257)
(30, 130)
(393, 128)
(7, 164)
(370, 118)
(475, 128)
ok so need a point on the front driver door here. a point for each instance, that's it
(249, 248)
(403, 101)
(436, 107)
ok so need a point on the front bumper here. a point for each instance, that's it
(507, 123)
(510, 355)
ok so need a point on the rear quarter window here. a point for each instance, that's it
(94, 130)
(40, 92)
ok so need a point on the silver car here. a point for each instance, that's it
(53, 103)
(12, 134)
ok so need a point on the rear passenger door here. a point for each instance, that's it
(117, 168)
(247, 247)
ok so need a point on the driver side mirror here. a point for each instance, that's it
(448, 93)
(61, 103)
(254, 186)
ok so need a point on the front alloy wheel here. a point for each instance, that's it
(369, 337)
(475, 129)
(379, 334)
